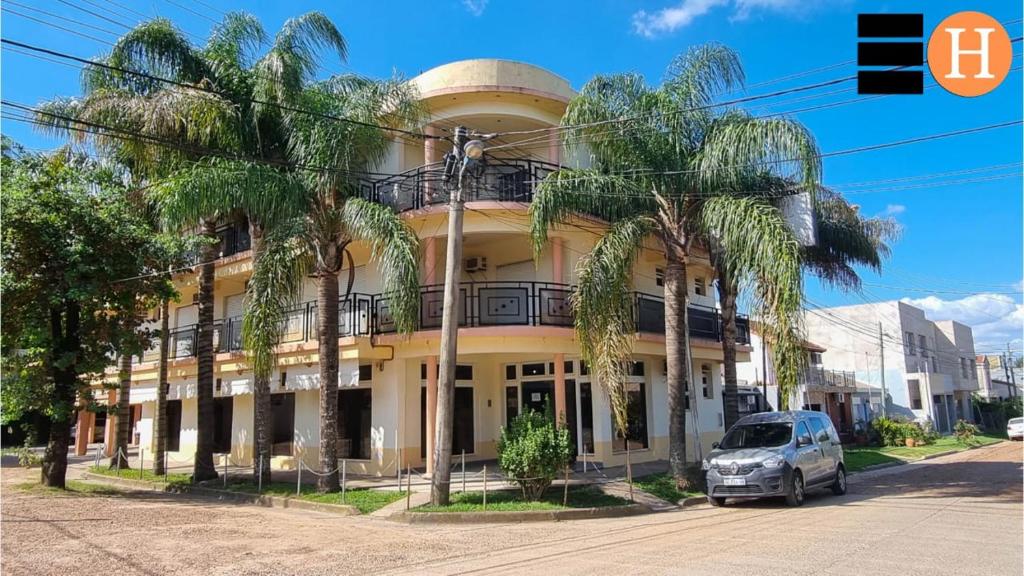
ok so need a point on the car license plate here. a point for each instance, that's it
(735, 481)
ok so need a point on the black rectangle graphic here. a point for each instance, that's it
(890, 82)
(890, 54)
(890, 25)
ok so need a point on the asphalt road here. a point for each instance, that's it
(959, 514)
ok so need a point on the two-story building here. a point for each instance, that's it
(516, 343)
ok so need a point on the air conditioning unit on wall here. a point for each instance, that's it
(476, 264)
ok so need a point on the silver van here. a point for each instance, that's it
(776, 454)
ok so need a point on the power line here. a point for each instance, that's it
(96, 14)
(58, 16)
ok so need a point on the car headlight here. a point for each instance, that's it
(776, 462)
(705, 465)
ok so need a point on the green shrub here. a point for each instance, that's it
(965, 432)
(27, 458)
(893, 432)
(532, 452)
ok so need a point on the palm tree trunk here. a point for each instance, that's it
(124, 421)
(203, 467)
(160, 433)
(327, 334)
(727, 292)
(678, 369)
(261, 391)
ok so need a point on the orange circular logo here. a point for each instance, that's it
(969, 53)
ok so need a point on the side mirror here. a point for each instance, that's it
(714, 445)
(804, 440)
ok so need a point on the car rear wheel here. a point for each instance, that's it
(795, 490)
(839, 485)
(716, 501)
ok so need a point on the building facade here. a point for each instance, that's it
(516, 344)
(928, 367)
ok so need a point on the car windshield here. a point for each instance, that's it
(767, 435)
(1016, 420)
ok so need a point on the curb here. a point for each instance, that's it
(902, 462)
(407, 517)
(224, 495)
(691, 501)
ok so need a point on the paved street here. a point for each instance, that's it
(959, 514)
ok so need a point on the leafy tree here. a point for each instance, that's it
(73, 265)
(532, 452)
(669, 166)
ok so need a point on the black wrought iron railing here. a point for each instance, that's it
(481, 304)
(502, 179)
(822, 377)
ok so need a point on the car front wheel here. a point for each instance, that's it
(795, 491)
(839, 485)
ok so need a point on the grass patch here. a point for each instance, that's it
(147, 475)
(861, 457)
(663, 486)
(364, 499)
(72, 488)
(512, 501)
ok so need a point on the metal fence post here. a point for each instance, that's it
(343, 479)
(142, 462)
(298, 482)
(408, 486)
(225, 471)
(565, 493)
(259, 477)
(165, 466)
(485, 486)
(117, 457)
(463, 470)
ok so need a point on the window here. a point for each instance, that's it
(801, 430)
(222, 408)
(587, 418)
(909, 342)
(637, 369)
(707, 384)
(173, 425)
(636, 408)
(914, 392)
(699, 287)
(354, 410)
(511, 403)
(965, 367)
(922, 343)
(816, 358)
(510, 372)
(659, 277)
(282, 423)
(533, 369)
(365, 372)
(462, 371)
(820, 432)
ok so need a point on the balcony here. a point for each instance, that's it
(502, 180)
(830, 380)
(481, 304)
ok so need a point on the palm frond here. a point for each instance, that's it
(603, 307)
(394, 248)
(155, 47)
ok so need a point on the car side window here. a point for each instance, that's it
(820, 431)
(801, 430)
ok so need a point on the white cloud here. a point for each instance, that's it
(475, 7)
(894, 209)
(995, 319)
(672, 18)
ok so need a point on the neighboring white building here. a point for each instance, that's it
(993, 381)
(928, 366)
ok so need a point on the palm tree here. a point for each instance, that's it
(845, 238)
(333, 216)
(665, 167)
(242, 119)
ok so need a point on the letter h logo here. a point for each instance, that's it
(896, 54)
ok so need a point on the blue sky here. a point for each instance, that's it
(960, 255)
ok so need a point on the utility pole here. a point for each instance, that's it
(465, 154)
(881, 356)
(1008, 368)
(764, 372)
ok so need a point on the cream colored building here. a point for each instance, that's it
(516, 345)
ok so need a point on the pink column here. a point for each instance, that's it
(84, 432)
(430, 154)
(555, 152)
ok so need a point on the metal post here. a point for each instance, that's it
(408, 486)
(398, 455)
(298, 482)
(117, 457)
(629, 471)
(225, 471)
(565, 492)
(463, 470)
(343, 479)
(881, 365)
(259, 477)
(142, 461)
(584, 461)
(485, 486)
(165, 466)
